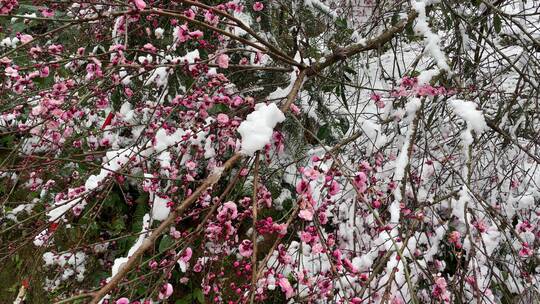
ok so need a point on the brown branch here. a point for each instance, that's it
(342, 53)
(254, 227)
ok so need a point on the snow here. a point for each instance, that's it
(431, 39)
(61, 208)
(403, 159)
(190, 58)
(426, 76)
(159, 76)
(475, 121)
(119, 262)
(112, 162)
(159, 33)
(468, 112)
(163, 140)
(257, 129)
(280, 93)
(9, 42)
(321, 6)
(160, 210)
(12, 215)
(245, 19)
(71, 264)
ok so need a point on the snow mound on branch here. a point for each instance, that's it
(468, 112)
(257, 129)
(160, 209)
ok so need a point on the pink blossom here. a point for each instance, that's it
(228, 210)
(166, 291)
(191, 165)
(286, 287)
(223, 61)
(184, 259)
(6, 6)
(140, 4)
(306, 215)
(186, 255)
(349, 265)
(305, 237)
(190, 14)
(196, 34)
(294, 109)
(317, 248)
(243, 61)
(480, 226)
(281, 229)
(47, 12)
(303, 187)
(181, 33)
(334, 188)
(375, 97)
(123, 300)
(210, 18)
(44, 72)
(222, 119)
(246, 248)
(26, 38)
(356, 300)
(525, 250)
(455, 238)
(258, 6)
(310, 173)
(439, 290)
(359, 182)
(149, 48)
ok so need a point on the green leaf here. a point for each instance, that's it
(327, 88)
(218, 108)
(118, 225)
(324, 132)
(112, 200)
(341, 22)
(165, 243)
(344, 125)
(497, 23)
(188, 299)
(199, 295)
(141, 209)
(28, 7)
(18, 27)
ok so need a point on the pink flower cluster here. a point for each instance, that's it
(258, 6)
(410, 87)
(439, 290)
(6, 6)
